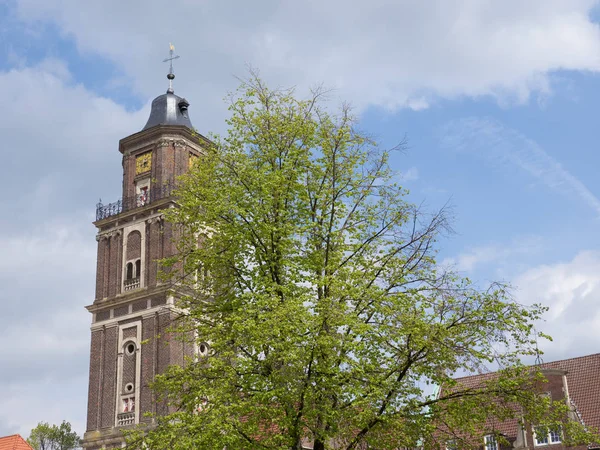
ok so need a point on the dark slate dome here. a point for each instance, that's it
(169, 109)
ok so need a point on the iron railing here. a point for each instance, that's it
(128, 203)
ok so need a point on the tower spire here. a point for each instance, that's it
(170, 59)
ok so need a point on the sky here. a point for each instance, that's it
(498, 101)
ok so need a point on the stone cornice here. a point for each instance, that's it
(141, 315)
(113, 232)
(126, 298)
(161, 134)
(150, 210)
(110, 436)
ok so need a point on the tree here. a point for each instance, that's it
(54, 437)
(314, 282)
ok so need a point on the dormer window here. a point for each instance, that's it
(490, 442)
(547, 435)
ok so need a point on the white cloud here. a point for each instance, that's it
(496, 255)
(60, 150)
(391, 54)
(63, 143)
(490, 139)
(571, 290)
(411, 174)
(46, 400)
(47, 274)
(417, 104)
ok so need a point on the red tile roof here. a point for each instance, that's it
(14, 442)
(583, 383)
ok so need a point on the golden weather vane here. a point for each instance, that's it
(170, 59)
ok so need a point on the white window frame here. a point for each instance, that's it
(548, 437)
(490, 442)
(135, 395)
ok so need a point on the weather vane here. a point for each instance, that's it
(170, 59)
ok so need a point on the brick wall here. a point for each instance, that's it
(100, 263)
(148, 366)
(154, 251)
(121, 311)
(106, 268)
(109, 378)
(163, 356)
(95, 378)
(139, 306)
(128, 175)
(114, 270)
(134, 245)
(129, 333)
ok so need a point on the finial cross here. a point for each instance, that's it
(170, 60)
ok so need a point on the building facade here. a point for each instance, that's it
(132, 306)
(576, 381)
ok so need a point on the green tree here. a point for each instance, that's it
(314, 281)
(54, 437)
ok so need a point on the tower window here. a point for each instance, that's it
(130, 348)
(128, 404)
(133, 273)
(143, 198)
(129, 271)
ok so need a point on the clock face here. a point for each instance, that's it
(143, 163)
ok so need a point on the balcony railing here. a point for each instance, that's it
(128, 203)
(132, 283)
(127, 418)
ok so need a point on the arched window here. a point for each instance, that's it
(129, 271)
(138, 268)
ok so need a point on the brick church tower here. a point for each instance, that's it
(131, 305)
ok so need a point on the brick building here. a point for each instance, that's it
(131, 304)
(575, 380)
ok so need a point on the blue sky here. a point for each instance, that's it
(498, 101)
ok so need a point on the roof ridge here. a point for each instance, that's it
(570, 359)
(491, 372)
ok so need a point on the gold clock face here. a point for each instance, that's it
(143, 163)
(192, 160)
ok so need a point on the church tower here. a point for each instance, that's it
(131, 304)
